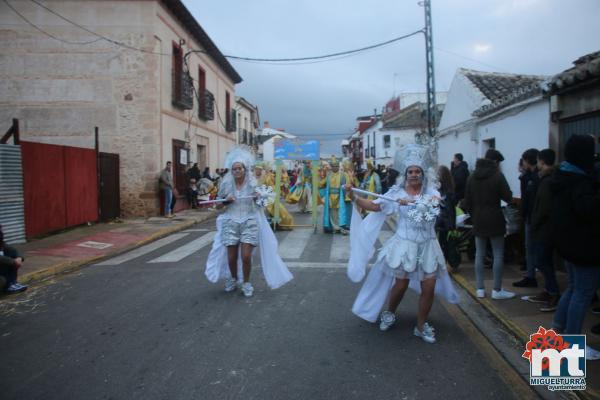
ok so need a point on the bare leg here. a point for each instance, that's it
(232, 257)
(425, 301)
(247, 260)
(397, 293)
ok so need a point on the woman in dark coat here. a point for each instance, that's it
(446, 221)
(486, 187)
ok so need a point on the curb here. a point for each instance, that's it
(70, 266)
(515, 330)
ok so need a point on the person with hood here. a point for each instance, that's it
(460, 174)
(541, 233)
(486, 187)
(576, 231)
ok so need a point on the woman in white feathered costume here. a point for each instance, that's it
(240, 229)
(412, 257)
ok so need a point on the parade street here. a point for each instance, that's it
(148, 325)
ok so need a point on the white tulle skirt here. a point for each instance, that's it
(406, 259)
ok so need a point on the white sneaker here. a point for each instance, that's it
(591, 354)
(502, 294)
(480, 293)
(247, 289)
(230, 284)
(428, 335)
(387, 320)
(430, 328)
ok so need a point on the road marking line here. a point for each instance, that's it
(294, 243)
(300, 264)
(182, 252)
(340, 248)
(143, 250)
(196, 230)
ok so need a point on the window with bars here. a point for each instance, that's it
(182, 90)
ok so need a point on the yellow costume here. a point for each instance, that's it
(268, 179)
(302, 193)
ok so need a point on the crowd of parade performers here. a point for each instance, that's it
(296, 187)
(331, 194)
(266, 176)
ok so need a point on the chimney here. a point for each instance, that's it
(266, 125)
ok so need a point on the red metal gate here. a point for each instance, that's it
(60, 187)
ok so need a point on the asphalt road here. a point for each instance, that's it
(160, 330)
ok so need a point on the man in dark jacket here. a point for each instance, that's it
(460, 174)
(486, 187)
(576, 231)
(529, 183)
(541, 232)
(10, 262)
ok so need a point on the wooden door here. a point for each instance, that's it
(180, 162)
(109, 187)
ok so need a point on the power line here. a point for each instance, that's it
(287, 61)
(321, 57)
(47, 33)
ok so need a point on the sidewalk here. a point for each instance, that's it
(523, 318)
(71, 249)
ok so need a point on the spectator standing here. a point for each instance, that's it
(460, 174)
(529, 184)
(194, 173)
(10, 262)
(166, 185)
(390, 179)
(446, 220)
(191, 193)
(576, 231)
(541, 232)
(206, 173)
(485, 188)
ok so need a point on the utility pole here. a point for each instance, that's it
(431, 105)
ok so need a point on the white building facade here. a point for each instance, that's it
(485, 110)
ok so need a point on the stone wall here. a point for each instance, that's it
(61, 91)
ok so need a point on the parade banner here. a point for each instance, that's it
(286, 149)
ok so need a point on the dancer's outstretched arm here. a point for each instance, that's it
(360, 202)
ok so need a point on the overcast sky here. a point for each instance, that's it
(540, 37)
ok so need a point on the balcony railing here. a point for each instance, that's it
(182, 93)
(206, 106)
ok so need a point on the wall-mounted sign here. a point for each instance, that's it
(183, 156)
